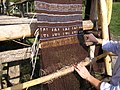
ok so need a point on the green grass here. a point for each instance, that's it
(115, 20)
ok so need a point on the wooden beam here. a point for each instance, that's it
(53, 76)
(12, 20)
(105, 33)
(9, 32)
(88, 25)
(19, 30)
(15, 55)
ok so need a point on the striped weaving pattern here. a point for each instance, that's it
(59, 18)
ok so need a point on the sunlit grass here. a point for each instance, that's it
(115, 20)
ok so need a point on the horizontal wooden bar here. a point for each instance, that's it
(52, 76)
(88, 25)
(15, 29)
(15, 55)
(9, 32)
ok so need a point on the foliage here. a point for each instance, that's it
(115, 20)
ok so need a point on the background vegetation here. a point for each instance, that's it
(115, 20)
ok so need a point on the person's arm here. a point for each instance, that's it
(107, 45)
(107, 86)
(83, 72)
(94, 81)
(111, 46)
(92, 38)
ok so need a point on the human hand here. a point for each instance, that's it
(90, 38)
(82, 71)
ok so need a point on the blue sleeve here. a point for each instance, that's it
(107, 86)
(111, 46)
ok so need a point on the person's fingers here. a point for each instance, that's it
(80, 72)
(76, 69)
(87, 38)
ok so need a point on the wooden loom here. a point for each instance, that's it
(55, 75)
(62, 39)
(52, 44)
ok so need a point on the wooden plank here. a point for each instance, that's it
(14, 31)
(59, 73)
(15, 55)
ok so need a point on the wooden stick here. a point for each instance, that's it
(112, 54)
(52, 76)
(105, 33)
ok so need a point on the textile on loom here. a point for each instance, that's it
(61, 37)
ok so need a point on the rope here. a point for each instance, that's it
(32, 18)
(34, 54)
(35, 49)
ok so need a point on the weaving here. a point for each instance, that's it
(60, 26)
(59, 18)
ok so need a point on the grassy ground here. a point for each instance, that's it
(115, 20)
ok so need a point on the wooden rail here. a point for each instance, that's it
(15, 55)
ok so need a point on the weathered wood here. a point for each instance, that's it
(105, 33)
(52, 76)
(14, 31)
(93, 17)
(109, 10)
(17, 30)
(15, 55)
(11, 20)
(88, 25)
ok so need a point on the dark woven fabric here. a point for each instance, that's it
(58, 18)
(60, 25)
(56, 58)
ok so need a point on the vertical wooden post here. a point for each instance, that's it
(105, 32)
(109, 10)
(93, 17)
